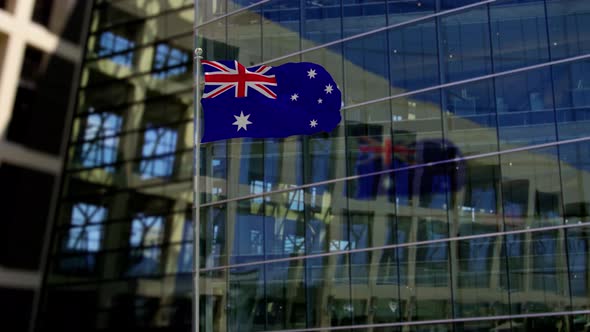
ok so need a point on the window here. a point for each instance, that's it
(86, 231)
(294, 244)
(258, 187)
(110, 43)
(146, 237)
(100, 146)
(158, 148)
(83, 239)
(169, 61)
(296, 201)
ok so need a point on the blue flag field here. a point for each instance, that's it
(268, 102)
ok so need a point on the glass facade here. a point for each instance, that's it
(453, 196)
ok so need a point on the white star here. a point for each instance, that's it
(313, 123)
(242, 121)
(311, 73)
(294, 97)
(329, 88)
(320, 101)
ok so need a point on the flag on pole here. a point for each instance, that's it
(268, 102)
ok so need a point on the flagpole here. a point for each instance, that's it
(196, 189)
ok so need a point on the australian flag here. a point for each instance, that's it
(268, 102)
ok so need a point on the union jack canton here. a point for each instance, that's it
(223, 78)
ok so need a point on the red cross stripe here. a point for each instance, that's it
(386, 149)
(239, 78)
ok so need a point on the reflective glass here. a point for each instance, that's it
(577, 247)
(244, 31)
(470, 117)
(427, 293)
(415, 235)
(362, 16)
(519, 34)
(285, 305)
(572, 98)
(369, 151)
(465, 44)
(478, 271)
(323, 22)
(476, 201)
(280, 28)
(531, 189)
(568, 22)
(366, 69)
(530, 107)
(537, 272)
(413, 56)
(400, 10)
(575, 165)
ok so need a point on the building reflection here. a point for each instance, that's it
(484, 242)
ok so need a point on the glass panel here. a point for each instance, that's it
(572, 98)
(537, 270)
(417, 140)
(286, 234)
(375, 274)
(285, 302)
(366, 69)
(519, 34)
(362, 16)
(401, 11)
(369, 150)
(465, 49)
(323, 22)
(246, 305)
(414, 57)
(427, 294)
(477, 206)
(280, 29)
(477, 272)
(569, 24)
(214, 301)
(209, 10)
(216, 169)
(213, 41)
(328, 290)
(531, 189)
(244, 31)
(577, 249)
(471, 117)
(575, 179)
(526, 116)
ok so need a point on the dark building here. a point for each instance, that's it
(478, 110)
(40, 53)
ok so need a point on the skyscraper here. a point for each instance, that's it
(452, 196)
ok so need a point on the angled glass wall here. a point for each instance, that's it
(453, 196)
(121, 246)
(444, 201)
